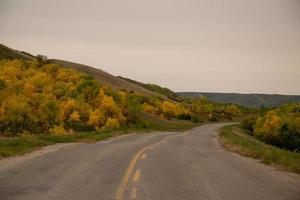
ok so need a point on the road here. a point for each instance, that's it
(156, 166)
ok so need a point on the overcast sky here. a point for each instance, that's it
(247, 46)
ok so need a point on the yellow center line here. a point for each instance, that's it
(133, 193)
(128, 172)
(144, 156)
(125, 179)
(137, 176)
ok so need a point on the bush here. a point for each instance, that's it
(57, 130)
(111, 123)
(184, 116)
(248, 122)
(78, 126)
(289, 135)
(195, 119)
(280, 127)
(213, 117)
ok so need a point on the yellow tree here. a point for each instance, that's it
(109, 106)
(75, 117)
(268, 126)
(111, 123)
(169, 109)
(149, 108)
(96, 119)
(66, 109)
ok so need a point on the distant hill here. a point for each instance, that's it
(249, 100)
(100, 75)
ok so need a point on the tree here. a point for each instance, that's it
(51, 69)
(16, 116)
(58, 130)
(47, 115)
(267, 127)
(75, 117)
(169, 109)
(111, 123)
(109, 106)
(96, 119)
(67, 108)
(233, 110)
(149, 108)
(2, 84)
(41, 59)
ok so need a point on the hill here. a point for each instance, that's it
(8, 53)
(121, 83)
(100, 75)
(156, 89)
(249, 100)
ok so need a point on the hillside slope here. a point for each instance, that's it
(155, 88)
(249, 100)
(103, 77)
(8, 53)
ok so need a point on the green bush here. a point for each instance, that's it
(184, 116)
(195, 119)
(248, 122)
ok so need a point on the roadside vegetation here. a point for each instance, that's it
(18, 145)
(41, 101)
(234, 138)
(279, 127)
(271, 135)
(40, 98)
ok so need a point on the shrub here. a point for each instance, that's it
(248, 122)
(57, 130)
(280, 127)
(184, 116)
(195, 118)
(112, 123)
(290, 134)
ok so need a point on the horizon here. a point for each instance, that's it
(234, 47)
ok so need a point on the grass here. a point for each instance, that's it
(152, 123)
(235, 139)
(12, 146)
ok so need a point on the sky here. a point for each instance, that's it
(244, 46)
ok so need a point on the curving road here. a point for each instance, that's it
(157, 166)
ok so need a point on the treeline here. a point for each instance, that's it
(206, 110)
(40, 98)
(279, 127)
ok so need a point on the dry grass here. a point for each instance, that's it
(234, 139)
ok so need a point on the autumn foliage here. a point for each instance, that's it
(49, 99)
(279, 127)
(41, 98)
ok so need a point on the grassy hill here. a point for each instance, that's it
(249, 100)
(8, 53)
(100, 75)
(156, 89)
(103, 77)
(121, 83)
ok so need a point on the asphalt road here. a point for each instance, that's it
(157, 166)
